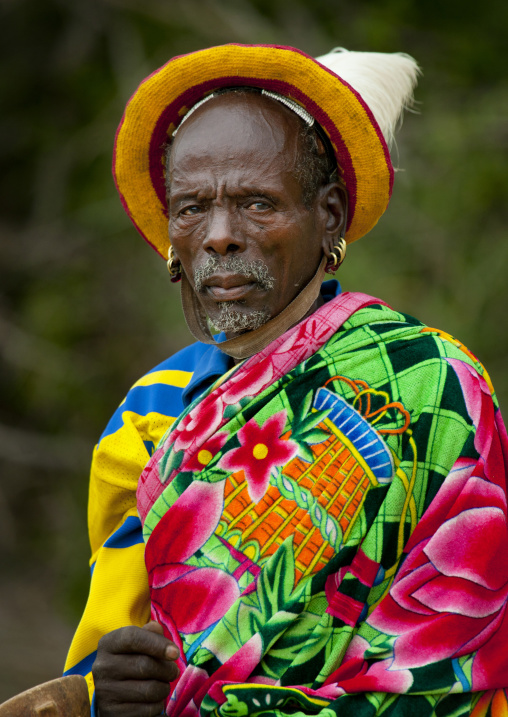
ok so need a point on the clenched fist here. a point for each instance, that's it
(132, 671)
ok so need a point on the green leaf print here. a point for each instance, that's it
(302, 409)
(312, 420)
(276, 580)
(316, 435)
(170, 462)
(305, 452)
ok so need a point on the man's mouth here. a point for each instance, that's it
(232, 278)
(229, 287)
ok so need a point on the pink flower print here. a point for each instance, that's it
(191, 679)
(250, 380)
(202, 457)
(261, 449)
(187, 525)
(171, 632)
(334, 581)
(450, 598)
(475, 390)
(302, 343)
(357, 675)
(149, 484)
(195, 683)
(379, 676)
(236, 669)
(193, 598)
(198, 425)
(490, 437)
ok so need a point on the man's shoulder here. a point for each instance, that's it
(157, 395)
(425, 369)
(405, 341)
(383, 324)
(177, 369)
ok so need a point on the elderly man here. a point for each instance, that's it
(321, 526)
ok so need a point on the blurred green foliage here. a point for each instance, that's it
(86, 307)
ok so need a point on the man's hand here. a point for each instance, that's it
(132, 671)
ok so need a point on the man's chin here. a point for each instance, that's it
(234, 321)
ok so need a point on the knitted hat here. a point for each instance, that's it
(356, 97)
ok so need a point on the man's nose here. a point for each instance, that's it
(223, 233)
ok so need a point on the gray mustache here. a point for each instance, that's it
(255, 270)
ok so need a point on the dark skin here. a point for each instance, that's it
(233, 191)
(132, 671)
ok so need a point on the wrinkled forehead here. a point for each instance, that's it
(238, 123)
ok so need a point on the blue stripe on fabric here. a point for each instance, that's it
(128, 534)
(192, 649)
(157, 398)
(460, 675)
(212, 365)
(184, 360)
(330, 289)
(84, 666)
(362, 435)
(150, 447)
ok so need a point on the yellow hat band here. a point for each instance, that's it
(160, 102)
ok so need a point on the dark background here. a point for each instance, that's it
(86, 307)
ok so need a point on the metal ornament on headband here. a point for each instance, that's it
(292, 105)
(289, 103)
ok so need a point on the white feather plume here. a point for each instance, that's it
(385, 82)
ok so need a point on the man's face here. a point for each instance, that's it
(237, 220)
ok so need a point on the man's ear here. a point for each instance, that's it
(333, 200)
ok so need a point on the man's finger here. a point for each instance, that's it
(140, 691)
(154, 626)
(138, 667)
(135, 640)
(135, 709)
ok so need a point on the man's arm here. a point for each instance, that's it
(119, 593)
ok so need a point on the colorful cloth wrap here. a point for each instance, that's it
(326, 527)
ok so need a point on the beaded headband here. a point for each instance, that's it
(293, 106)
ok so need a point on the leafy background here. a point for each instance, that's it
(86, 307)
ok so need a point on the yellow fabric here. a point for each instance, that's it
(119, 596)
(170, 377)
(119, 593)
(117, 465)
(255, 65)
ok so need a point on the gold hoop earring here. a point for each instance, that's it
(335, 261)
(332, 264)
(341, 249)
(173, 265)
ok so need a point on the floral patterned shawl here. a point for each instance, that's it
(326, 528)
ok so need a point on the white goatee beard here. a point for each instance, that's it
(232, 320)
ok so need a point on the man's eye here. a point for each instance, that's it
(189, 211)
(258, 206)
